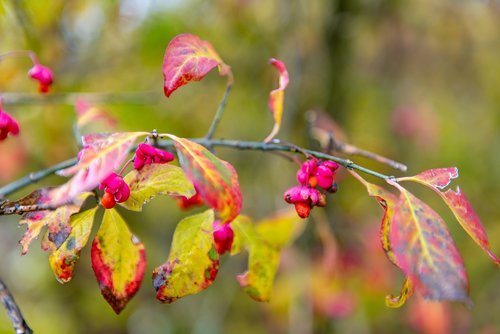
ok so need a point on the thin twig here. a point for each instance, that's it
(71, 98)
(15, 315)
(220, 111)
(241, 145)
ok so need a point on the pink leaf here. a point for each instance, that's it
(101, 154)
(188, 58)
(440, 178)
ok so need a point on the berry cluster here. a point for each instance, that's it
(223, 237)
(116, 190)
(147, 154)
(313, 174)
(7, 125)
(43, 75)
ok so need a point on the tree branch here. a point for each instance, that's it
(70, 98)
(241, 145)
(15, 315)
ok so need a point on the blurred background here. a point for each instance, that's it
(416, 81)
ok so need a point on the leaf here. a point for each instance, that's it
(193, 262)
(440, 178)
(101, 153)
(118, 260)
(277, 97)
(188, 58)
(215, 179)
(88, 114)
(153, 180)
(263, 259)
(388, 201)
(399, 300)
(63, 260)
(281, 229)
(56, 220)
(425, 251)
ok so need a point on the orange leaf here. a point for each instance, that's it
(277, 97)
(188, 58)
(440, 178)
(101, 153)
(118, 260)
(425, 251)
(215, 179)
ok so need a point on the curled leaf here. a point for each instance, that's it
(215, 179)
(153, 180)
(188, 58)
(277, 97)
(399, 300)
(63, 260)
(438, 179)
(118, 260)
(101, 153)
(193, 262)
(56, 220)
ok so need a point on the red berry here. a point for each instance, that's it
(303, 209)
(108, 200)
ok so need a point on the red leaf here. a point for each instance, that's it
(277, 96)
(215, 179)
(101, 153)
(440, 178)
(188, 58)
(425, 251)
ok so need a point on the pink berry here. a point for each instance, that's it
(223, 237)
(43, 75)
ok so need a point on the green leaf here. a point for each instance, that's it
(263, 246)
(153, 180)
(118, 260)
(281, 229)
(63, 260)
(215, 179)
(193, 262)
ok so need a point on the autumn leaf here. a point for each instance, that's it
(388, 201)
(215, 179)
(63, 260)
(425, 251)
(153, 180)
(56, 220)
(101, 153)
(188, 58)
(87, 114)
(118, 260)
(193, 262)
(440, 178)
(264, 242)
(281, 229)
(277, 97)
(263, 260)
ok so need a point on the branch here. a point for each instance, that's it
(20, 325)
(220, 111)
(70, 98)
(241, 145)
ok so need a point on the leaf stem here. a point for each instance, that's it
(220, 111)
(15, 315)
(20, 53)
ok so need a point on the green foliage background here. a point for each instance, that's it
(417, 81)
